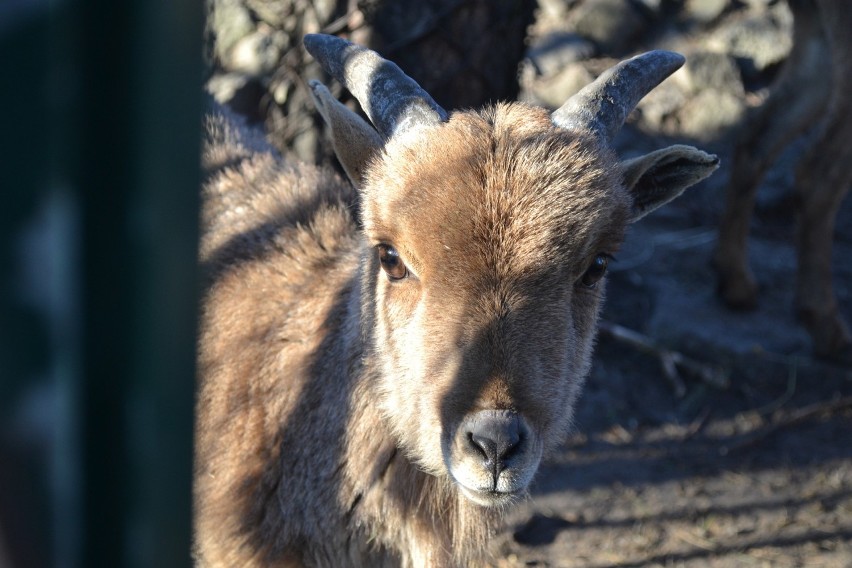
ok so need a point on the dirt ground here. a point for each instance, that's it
(758, 473)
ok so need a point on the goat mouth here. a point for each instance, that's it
(490, 498)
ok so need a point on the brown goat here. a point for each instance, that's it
(813, 88)
(382, 370)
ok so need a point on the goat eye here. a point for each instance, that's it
(391, 263)
(596, 271)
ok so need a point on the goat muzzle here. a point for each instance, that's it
(494, 456)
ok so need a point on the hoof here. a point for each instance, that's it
(831, 338)
(735, 285)
(738, 293)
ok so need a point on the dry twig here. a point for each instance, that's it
(794, 418)
(674, 364)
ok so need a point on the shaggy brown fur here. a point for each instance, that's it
(289, 383)
(332, 397)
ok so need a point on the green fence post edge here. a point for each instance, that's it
(101, 105)
(138, 180)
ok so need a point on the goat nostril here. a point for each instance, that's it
(484, 446)
(475, 445)
(498, 439)
(495, 450)
(511, 448)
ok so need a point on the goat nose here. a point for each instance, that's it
(496, 435)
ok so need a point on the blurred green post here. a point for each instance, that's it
(102, 104)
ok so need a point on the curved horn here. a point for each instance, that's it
(392, 100)
(603, 105)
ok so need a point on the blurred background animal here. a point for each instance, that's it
(811, 92)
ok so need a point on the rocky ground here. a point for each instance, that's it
(755, 470)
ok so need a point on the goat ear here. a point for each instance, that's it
(354, 141)
(656, 178)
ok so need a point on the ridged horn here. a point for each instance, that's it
(393, 101)
(603, 105)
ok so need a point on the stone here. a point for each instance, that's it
(552, 53)
(709, 70)
(554, 91)
(762, 41)
(255, 54)
(230, 22)
(704, 11)
(710, 115)
(614, 25)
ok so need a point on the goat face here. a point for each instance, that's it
(486, 241)
(486, 238)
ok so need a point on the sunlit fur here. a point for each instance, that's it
(330, 396)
